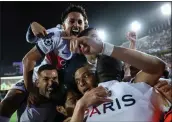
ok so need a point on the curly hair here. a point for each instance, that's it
(74, 8)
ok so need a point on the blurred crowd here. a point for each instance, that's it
(158, 44)
(155, 43)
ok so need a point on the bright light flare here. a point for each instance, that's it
(101, 34)
(135, 26)
(166, 9)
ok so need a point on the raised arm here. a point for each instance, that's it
(29, 62)
(34, 31)
(131, 36)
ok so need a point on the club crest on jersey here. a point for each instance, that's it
(48, 41)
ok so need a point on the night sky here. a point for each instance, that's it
(114, 17)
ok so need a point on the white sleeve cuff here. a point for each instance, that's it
(107, 49)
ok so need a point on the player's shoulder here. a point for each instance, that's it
(19, 85)
(141, 86)
(54, 30)
(53, 34)
(20, 82)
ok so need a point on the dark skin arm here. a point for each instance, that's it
(29, 62)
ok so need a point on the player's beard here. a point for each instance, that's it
(43, 92)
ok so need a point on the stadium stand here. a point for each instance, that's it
(158, 44)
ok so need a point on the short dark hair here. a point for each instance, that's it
(46, 67)
(109, 68)
(73, 8)
(85, 32)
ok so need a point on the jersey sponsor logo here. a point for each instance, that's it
(62, 62)
(65, 52)
(126, 101)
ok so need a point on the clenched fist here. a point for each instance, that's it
(131, 36)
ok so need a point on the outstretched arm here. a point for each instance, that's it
(151, 66)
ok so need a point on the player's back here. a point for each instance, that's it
(131, 103)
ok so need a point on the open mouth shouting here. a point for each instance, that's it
(50, 90)
(75, 31)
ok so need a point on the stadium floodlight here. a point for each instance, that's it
(101, 34)
(166, 9)
(135, 26)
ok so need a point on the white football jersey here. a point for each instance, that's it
(54, 42)
(131, 103)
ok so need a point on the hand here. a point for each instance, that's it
(61, 110)
(38, 30)
(94, 97)
(131, 36)
(164, 88)
(85, 45)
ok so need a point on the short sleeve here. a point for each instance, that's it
(50, 42)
